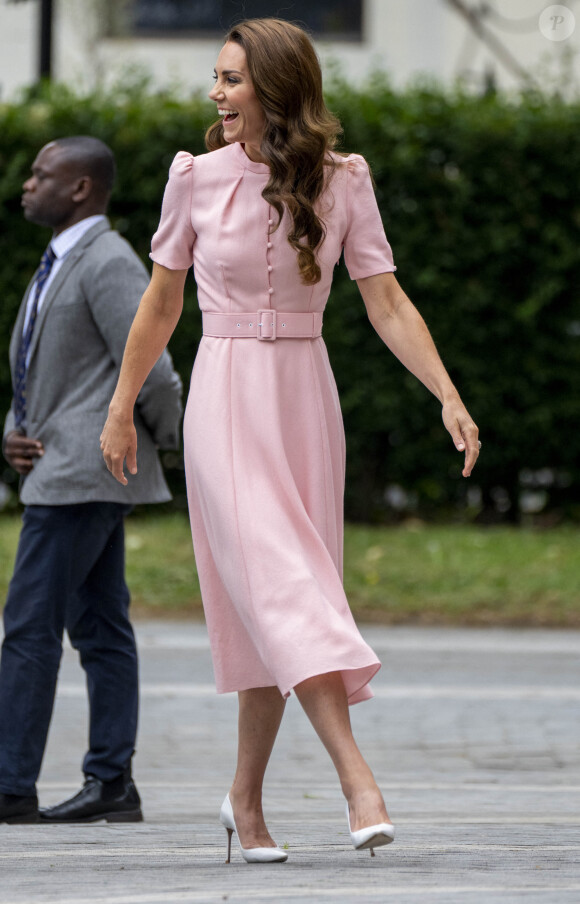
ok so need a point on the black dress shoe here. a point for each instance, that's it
(16, 809)
(116, 801)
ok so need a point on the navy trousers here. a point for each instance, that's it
(69, 573)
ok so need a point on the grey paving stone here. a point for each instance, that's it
(474, 737)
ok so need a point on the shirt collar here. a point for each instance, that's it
(68, 238)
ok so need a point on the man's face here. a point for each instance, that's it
(48, 195)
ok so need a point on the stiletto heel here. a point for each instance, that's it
(230, 832)
(371, 836)
(250, 855)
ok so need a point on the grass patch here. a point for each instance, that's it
(161, 571)
(417, 573)
(464, 575)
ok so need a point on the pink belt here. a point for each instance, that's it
(266, 325)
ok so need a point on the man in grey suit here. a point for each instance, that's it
(65, 356)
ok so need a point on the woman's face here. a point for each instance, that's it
(243, 116)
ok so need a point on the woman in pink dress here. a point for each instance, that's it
(264, 217)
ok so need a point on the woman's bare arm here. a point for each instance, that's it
(403, 330)
(155, 321)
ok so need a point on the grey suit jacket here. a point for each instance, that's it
(75, 355)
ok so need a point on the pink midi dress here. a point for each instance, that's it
(263, 432)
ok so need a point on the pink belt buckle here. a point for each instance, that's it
(266, 320)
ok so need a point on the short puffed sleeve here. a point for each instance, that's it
(366, 249)
(172, 244)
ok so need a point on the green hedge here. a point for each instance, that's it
(479, 201)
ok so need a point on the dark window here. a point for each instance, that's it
(336, 19)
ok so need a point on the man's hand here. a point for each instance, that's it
(20, 451)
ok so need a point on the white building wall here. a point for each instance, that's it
(18, 46)
(406, 38)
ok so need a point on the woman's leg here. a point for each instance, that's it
(324, 701)
(260, 713)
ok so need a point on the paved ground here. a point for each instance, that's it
(474, 736)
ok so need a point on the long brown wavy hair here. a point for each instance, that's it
(299, 132)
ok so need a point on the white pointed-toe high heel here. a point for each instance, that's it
(250, 855)
(371, 836)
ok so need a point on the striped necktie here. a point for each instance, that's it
(46, 263)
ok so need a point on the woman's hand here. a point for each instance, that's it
(464, 432)
(119, 444)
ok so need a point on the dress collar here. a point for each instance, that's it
(251, 165)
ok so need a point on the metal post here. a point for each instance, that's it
(45, 55)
